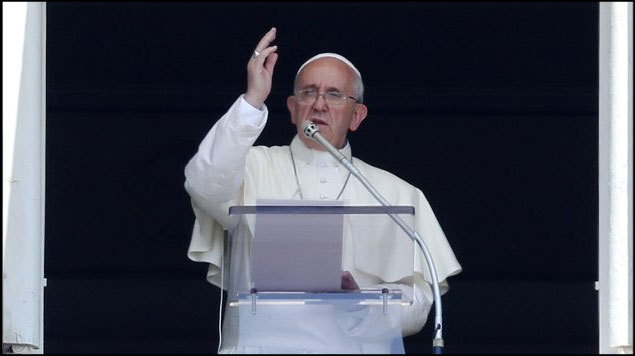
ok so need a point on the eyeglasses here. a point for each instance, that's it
(333, 97)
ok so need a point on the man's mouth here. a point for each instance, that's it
(319, 122)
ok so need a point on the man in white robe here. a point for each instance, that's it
(228, 170)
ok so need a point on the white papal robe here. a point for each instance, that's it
(228, 170)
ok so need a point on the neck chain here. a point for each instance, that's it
(297, 180)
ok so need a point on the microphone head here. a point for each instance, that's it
(309, 128)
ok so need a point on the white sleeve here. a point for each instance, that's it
(250, 115)
(215, 174)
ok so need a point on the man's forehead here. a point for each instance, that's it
(318, 76)
(315, 86)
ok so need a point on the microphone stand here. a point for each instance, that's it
(312, 131)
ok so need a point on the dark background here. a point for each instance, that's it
(489, 108)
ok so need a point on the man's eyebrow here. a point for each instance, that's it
(315, 87)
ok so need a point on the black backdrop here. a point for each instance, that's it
(489, 108)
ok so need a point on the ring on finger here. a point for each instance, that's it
(256, 53)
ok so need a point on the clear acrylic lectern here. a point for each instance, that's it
(283, 268)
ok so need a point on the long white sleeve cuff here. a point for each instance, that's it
(249, 114)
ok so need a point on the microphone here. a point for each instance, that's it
(311, 130)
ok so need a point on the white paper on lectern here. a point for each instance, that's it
(297, 252)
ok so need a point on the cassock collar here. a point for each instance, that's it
(305, 154)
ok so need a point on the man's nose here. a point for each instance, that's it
(320, 103)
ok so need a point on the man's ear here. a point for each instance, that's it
(291, 107)
(360, 114)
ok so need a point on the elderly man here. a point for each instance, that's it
(228, 170)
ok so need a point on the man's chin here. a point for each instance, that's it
(309, 142)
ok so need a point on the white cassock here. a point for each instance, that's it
(228, 170)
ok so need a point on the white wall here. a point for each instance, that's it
(23, 124)
(616, 178)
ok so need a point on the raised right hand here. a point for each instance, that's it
(260, 70)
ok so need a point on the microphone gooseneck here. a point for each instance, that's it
(311, 130)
